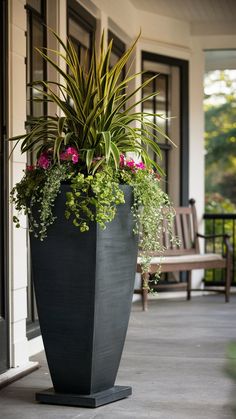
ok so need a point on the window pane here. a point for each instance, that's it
(35, 4)
(113, 59)
(163, 164)
(161, 88)
(79, 33)
(148, 108)
(162, 125)
(159, 103)
(148, 89)
(37, 65)
(81, 39)
(118, 49)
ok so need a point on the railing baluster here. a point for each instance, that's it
(234, 250)
(221, 224)
(222, 247)
(214, 248)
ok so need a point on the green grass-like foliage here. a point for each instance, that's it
(97, 116)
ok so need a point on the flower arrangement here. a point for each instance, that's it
(89, 146)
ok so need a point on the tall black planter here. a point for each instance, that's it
(84, 286)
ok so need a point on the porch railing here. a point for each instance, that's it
(220, 224)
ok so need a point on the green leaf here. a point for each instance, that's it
(89, 158)
(61, 123)
(107, 141)
(97, 165)
(67, 137)
(116, 155)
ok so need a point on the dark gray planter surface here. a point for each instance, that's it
(84, 286)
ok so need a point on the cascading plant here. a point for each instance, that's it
(89, 147)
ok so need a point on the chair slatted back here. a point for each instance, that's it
(185, 229)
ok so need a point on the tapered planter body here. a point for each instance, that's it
(84, 286)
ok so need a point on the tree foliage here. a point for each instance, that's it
(220, 133)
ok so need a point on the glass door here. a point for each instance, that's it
(4, 362)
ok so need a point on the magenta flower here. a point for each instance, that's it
(43, 161)
(141, 165)
(30, 168)
(71, 154)
(122, 160)
(130, 163)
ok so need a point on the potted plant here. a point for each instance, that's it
(86, 200)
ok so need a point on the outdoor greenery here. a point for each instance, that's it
(220, 162)
(220, 133)
(87, 146)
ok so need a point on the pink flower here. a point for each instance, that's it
(30, 168)
(43, 161)
(122, 160)
(141, 165)
(75, 158)
(71, 154)
(130, 163)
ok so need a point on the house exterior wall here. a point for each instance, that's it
(160, 35)
(18, 244)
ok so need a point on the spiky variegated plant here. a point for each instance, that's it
(87, 146)
(94, 120)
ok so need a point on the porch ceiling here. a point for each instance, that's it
(198, 13)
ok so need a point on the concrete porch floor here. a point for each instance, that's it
(174, 359)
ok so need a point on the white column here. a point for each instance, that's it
(196, 139)
(17, 237)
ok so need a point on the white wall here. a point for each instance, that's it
(18, 249)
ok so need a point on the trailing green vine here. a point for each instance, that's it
(35, 196)
(151, 209)
(95, 199)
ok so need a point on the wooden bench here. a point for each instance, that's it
(187, 256)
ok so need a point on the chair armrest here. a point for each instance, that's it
(225, 237)
(213, 236)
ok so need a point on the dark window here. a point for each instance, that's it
(36, 70)
(118, 49)
(36, 5)
(158, 104)
(171, 84)
(36, 67)
(81, 26)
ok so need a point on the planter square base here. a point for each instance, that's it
(84, 400)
